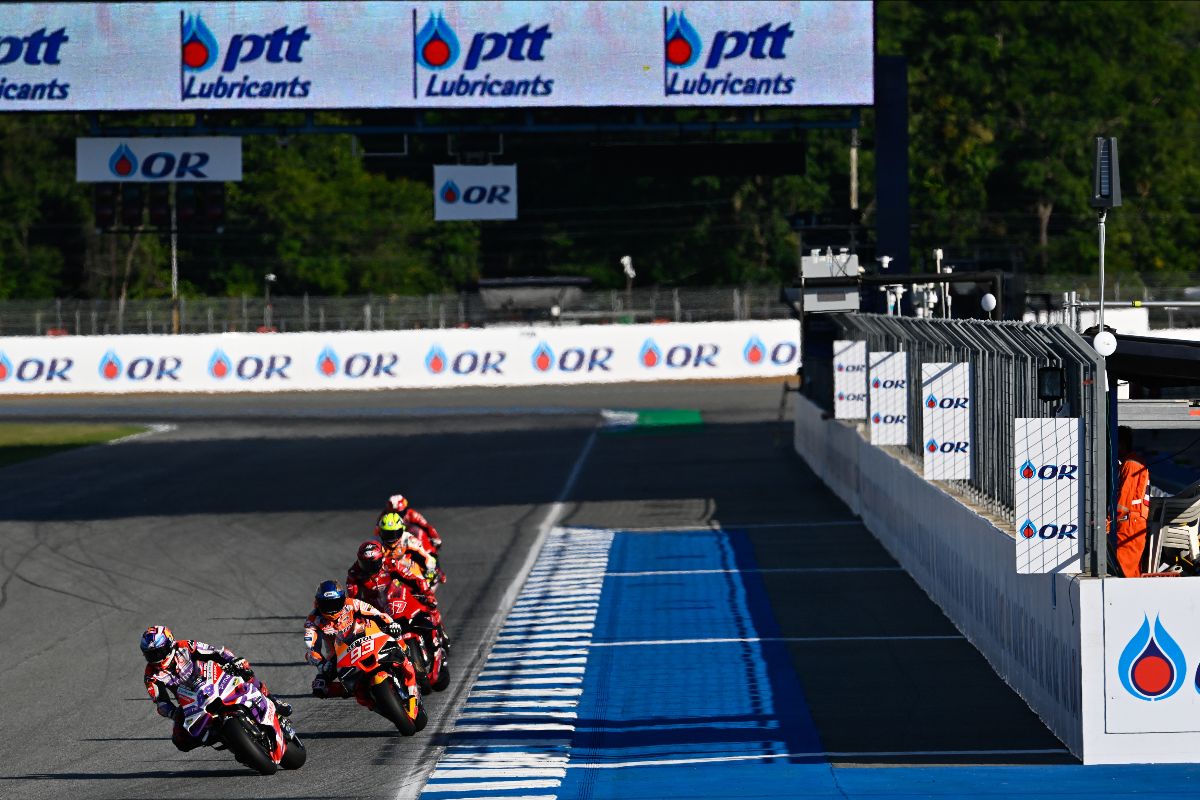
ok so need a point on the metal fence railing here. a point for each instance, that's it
(1004, 360)
(379, 312)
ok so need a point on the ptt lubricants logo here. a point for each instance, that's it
(728, 62)
(495, 64)
(255, 66)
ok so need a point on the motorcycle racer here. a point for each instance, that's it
(370, 575)
(399, 544)
(414, 519)
(333, 611)
(170, 662)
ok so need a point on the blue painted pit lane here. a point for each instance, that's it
(614, 680)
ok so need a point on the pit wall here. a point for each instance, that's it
(1057, 640)
(416, 359)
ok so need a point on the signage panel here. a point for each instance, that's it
(474, 192)
(888, 397)
(158, 160)
(946, 420)
(849, 379)
(1048, 512)
(298, 55)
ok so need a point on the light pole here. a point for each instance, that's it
(268, 279)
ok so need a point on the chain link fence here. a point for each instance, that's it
(396, 312)
(1004, 359)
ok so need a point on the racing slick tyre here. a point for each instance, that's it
(245, 746)
(443, 679)
(422, 719)
(390, 706)
(295, 755)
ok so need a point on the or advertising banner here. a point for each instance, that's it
(300, 55)
(888, 396)
(474, 192)
(449, 357)
(1151, 656)
(849, 379)
(158, 160)
(946, 420)
(1048, 471)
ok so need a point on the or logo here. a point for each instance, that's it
(328, 363)
(1051, 530)
(123, 163)
(436, 46)
(1028, 530)
(683, 44)
(5, 367)
(889, 419)
(931, 446)
(931, 402)
(897, 383)
(755, 351)
(110, 366)
(945, 403)
(839, 367)
(875, 384)
(1152, 665)
(1047, 472)
(450, 192)
(543, 357)
(435, 360)
(650, 355)
(219, 366)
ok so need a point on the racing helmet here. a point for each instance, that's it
(398, 503)
(370, 557)
(390, 528)
(157, 642)
(330, 598)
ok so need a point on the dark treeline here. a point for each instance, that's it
(1005, 98)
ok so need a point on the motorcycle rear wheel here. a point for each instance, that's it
(443, 678)
(245, 747)
(389, 705)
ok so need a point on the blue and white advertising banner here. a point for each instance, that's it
(301, 55)
(1151, 656)
(158, 160)
(849, 379)
(1048, 511)
(888, 396)
(464, 192)
(946, 420)
(430, 358)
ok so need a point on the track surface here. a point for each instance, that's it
(223, 526)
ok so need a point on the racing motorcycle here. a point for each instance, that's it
(370, 664)
(229, 711)
(424, 640)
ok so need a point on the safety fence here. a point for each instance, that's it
(568, 305)
(1005, 362)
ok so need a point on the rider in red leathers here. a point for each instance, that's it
(334, 611)
(400, 544)
(170, 661)
(369, 577)
(415, 520)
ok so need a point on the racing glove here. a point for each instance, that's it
(395, 630)
(314, 658)
(165, 709)
(241, 667)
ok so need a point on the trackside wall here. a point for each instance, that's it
(1027, 626)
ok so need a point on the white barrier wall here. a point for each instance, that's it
(398, 359)
(1073, 648)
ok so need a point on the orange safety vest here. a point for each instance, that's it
(1133, 511)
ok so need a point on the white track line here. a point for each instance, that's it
(153, 430)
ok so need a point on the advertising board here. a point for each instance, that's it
(887, 376)
(1047, 473)
(946, 420)
(849, 379)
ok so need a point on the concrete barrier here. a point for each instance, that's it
(1057, 640)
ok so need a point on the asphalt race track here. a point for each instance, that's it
(222, 525)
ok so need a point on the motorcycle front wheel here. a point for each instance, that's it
(246, 747)
(391, 707)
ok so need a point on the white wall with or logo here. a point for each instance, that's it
(398, 359)
(1047, 510)
(158, 160)
(472, 192)
(887, 378)
(946, 420)
(849, 379)
(298, 55)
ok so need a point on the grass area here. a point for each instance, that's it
(22, 441)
